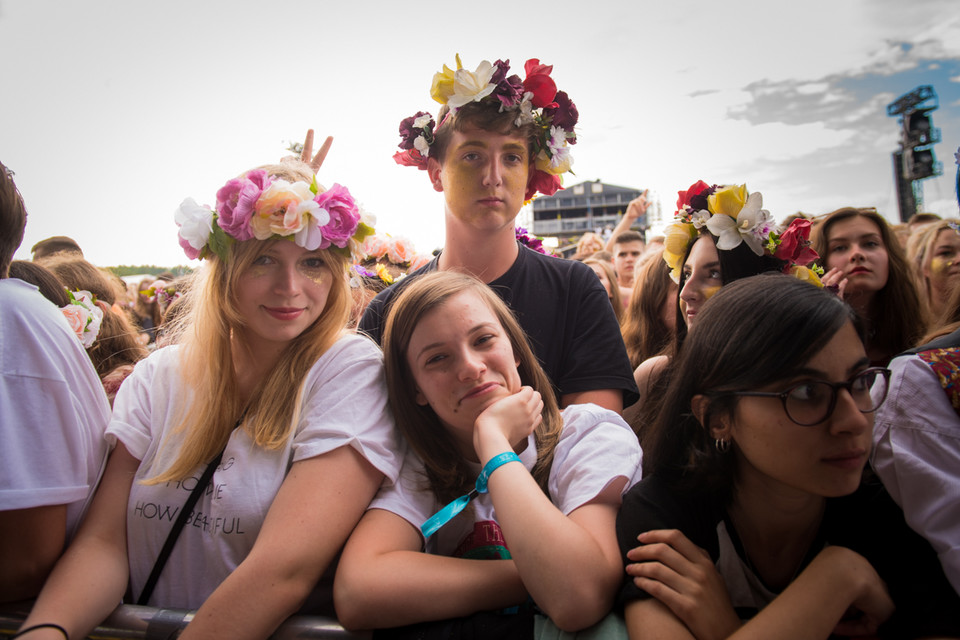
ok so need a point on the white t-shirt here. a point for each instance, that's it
(53, 410)
(344, 403)
(595, 448)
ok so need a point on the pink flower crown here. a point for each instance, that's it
(535, 99)
(256, 206)
(84, 316)
(735, 216)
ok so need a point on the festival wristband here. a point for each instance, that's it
(45, 625)
(492, 465)
(450, 511)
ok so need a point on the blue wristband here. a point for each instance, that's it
(492, 465)
(450, 511)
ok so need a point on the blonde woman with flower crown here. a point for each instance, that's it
(265, 374)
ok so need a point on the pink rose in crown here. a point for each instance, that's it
(77, 318)
(417, 261)
(539, 83)
(794, 244)
(376, 246)
(285, 209)
(344, 216)
(236, 200)
(400, 251)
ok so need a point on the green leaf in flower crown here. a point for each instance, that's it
(219, 242)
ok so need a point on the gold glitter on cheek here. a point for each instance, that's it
(709, 292)
(257, 271)
(940, 264)
(317, 275)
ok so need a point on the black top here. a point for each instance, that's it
(867, 521)
(566, 314)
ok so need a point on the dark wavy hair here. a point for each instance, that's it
(753, 332)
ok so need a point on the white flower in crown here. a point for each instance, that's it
(196, 225)
(752, 221)
(423, 121)
(700, 218)
(524, 110)
(420, 144)
(472, 86)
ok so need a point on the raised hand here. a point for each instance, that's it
(834, 279)
(316, 161)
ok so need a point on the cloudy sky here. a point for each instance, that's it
(114, 111)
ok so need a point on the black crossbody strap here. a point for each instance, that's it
(177, 528)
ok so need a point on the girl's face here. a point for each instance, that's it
(597, 269)
(462, 361)
(942, 265)
(282, 293)
(701, 274)
(855, 246)
(825, 459)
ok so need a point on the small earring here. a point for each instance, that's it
(722, 445)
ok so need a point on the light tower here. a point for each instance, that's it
(915, 160)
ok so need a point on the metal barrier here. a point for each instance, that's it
(130, 621)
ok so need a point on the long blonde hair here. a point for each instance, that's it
(207, 362)
(447, 470)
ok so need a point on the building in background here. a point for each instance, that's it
(588, 206)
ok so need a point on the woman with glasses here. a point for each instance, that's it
(752, 519)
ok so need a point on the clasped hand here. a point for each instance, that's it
(511, 418)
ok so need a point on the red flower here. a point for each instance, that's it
(794, 244)
(685, 197)
(541, 181)
(410, 158)
(539, 82)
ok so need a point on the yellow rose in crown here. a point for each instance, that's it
(677, 238)
(729, 200)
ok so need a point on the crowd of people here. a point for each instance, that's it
(741, 428)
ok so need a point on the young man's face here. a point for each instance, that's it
(625, 256)
(483, 177)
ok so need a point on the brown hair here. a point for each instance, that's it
(13, 219)
(41, 277)
(448, 473)
(484, 115)
(116, 343)
(644, 332)
(895, 319)
(616, 298)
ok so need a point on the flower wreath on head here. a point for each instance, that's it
(735, 216)
(259, 206)
(84, 316)
(380, 248)
(535, 99)
(528, 239)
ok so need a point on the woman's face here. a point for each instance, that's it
(282, 293)
(597, 269)
(462, 361)
(825, 459)
(701, 274)
(855, 246)
(942, 265)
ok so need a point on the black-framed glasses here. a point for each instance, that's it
(813, 401)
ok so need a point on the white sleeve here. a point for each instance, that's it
(345, 403)
(916, 453)
(595, 448)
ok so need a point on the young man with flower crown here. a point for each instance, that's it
(497, 141)
(53, 413)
